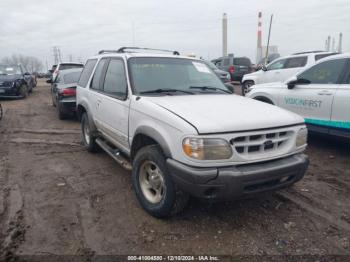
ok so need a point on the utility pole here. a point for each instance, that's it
(333, 44)
(268, 41)
(329, 43)
(224, 35)
(133, 34)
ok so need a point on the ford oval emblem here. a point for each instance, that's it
(268, 143)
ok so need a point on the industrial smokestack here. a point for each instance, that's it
(224, 35)
(259, 43)
(329, 43)
(333, 44)
(340, 43)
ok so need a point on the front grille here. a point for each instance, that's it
(260, 143)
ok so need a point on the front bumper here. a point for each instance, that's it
(8, 92)
(233, 182)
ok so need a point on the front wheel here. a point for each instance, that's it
(88, 138)
(155, 190)
(23, 91)
(246, 85)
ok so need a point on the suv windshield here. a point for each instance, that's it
(178, 76)
(9, 70)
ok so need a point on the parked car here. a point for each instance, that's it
(169, 119)
(63, 92)
(64, 66)
(282, 68)
(223, 75)
(236, 66)
(320, 94)
(15, 81)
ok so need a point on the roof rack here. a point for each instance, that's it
(123, 50)
(309, 52)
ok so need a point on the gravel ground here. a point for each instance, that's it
(56, 198)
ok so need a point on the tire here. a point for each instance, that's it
(23, 91)
(167, 199)
(61, 114)
(246, 85)
(88, 138)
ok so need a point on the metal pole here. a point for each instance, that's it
(268, 40)
(224, 35)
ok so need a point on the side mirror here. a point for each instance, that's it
(264, 68)
(230, 87)
(49, 81)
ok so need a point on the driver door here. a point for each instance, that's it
(273, 72)
(314, 101)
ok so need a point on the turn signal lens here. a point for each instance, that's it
(301, 138)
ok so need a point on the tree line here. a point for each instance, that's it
(31, 63)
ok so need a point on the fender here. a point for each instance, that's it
(259, 95)
(156, 136)
(85, 105)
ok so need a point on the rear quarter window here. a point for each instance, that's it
(296, 62)
(86, 73)
(70, 66)
(318, 57)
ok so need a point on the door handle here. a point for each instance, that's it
(324, 93)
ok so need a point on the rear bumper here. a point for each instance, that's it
(238, 181)
(68, 105)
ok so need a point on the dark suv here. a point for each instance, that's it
(236, 66)
(15, 81)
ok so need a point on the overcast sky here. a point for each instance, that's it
(82, 27)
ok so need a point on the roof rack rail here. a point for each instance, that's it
(107, 51)
(123, 50)
(309, 52)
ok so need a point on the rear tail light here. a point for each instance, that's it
(71, 91)
(231, 69)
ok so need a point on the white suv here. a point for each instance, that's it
(172, 121)
(282, 68)
(320, 94)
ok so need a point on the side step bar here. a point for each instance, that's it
(115, 154)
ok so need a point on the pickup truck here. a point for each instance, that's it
(182, 132)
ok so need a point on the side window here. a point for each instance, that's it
(97, 79)
(346, 79)
(279, 64)
(318, 57)
(296, 62)
(85, 75)
(327, 72)
(115, 80)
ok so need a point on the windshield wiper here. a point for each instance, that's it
(160, 90)
(209, 88)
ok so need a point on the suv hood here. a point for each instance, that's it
(226, 113)
(4, 78)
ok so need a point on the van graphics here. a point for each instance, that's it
(328, 123)
(303, 102)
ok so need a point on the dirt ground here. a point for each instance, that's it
(56, 198)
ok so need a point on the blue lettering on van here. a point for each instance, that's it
(303, 102)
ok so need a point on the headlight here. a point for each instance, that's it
(207, 148)
(301, 137)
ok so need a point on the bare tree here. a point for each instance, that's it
(32, 64)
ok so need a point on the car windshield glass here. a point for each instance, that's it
(174, 74)
(71, 77)
(9, 70)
